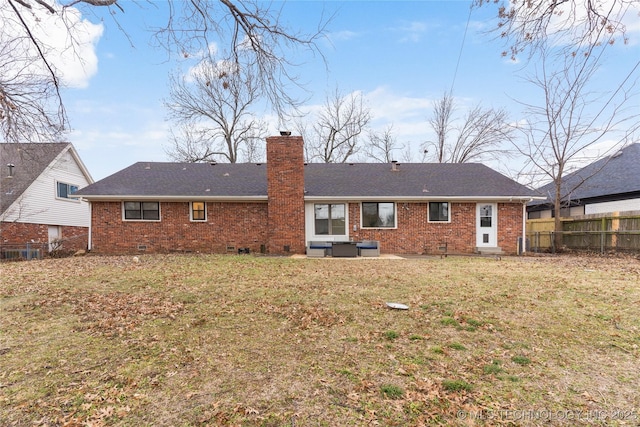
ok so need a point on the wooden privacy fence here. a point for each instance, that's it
(602, 233)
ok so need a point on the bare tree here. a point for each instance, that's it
(28, 94)
(213, 105)
(441, 122)
(478, 136)
(578, 23)
(570, 119)
(335, 134)
(247, 28)
(382, 145)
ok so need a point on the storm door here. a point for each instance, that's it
(487, 225)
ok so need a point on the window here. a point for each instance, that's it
(145, 211)
(198, 211)
(65, 190)
(378, 215)
(486, 215)
(329, 219)
(438, 212)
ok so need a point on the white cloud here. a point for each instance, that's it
(67, 40)
(413, 31)
(572, 17)
(407, 114)
(342, 35)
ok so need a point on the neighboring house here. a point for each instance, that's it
(280, 206)
(36, 207)
(611, 184)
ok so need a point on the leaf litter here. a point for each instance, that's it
(214, 340)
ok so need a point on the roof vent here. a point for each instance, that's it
(285, 133)
(10, 166)
(394, 165)
(213, 163)
(618, 154)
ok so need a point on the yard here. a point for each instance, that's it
(188, 340)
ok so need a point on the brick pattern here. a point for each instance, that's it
(415, 235)
(285, 188)
(229, 226)
(232, 225)
(19, 233)
(509, 226)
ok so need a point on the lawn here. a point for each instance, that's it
(189, 340)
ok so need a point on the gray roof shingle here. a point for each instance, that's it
(30, 160)
(610, 176)
(359, 180)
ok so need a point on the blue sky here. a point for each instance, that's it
(399, 55)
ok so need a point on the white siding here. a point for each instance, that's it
(545, 214)
(614, 206)
(576, 211)
(39, 203)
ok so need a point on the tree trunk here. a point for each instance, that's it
(557, 223)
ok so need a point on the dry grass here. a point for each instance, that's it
(249, 341)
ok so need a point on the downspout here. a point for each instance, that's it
(524, 225)
(90, 226)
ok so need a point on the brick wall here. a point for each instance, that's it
(240, 225)
(415, 235)
(19, 233)
(229, 225)
(285, 187)
(509, 226)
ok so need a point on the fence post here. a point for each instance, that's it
(603, 236)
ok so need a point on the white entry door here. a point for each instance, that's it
(486, 225)
(54, 234)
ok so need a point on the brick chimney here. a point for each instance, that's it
(285, 189)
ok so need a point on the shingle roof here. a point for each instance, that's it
(29, 160)
(360, 180)
(614, 175)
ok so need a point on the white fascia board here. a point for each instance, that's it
(426, 198)
(103, 198)
(80, 163)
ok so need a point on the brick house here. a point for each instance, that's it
(37, 181)
(280, 206)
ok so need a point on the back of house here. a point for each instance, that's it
(283, 205)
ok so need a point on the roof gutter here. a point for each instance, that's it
(522, 199)
(165, 198)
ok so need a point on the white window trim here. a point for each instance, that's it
(346, 221)
(191, 211)
(395, 217)
(66, 199)
(142, 220)
(448, 221)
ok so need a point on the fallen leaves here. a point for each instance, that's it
(206, 340)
